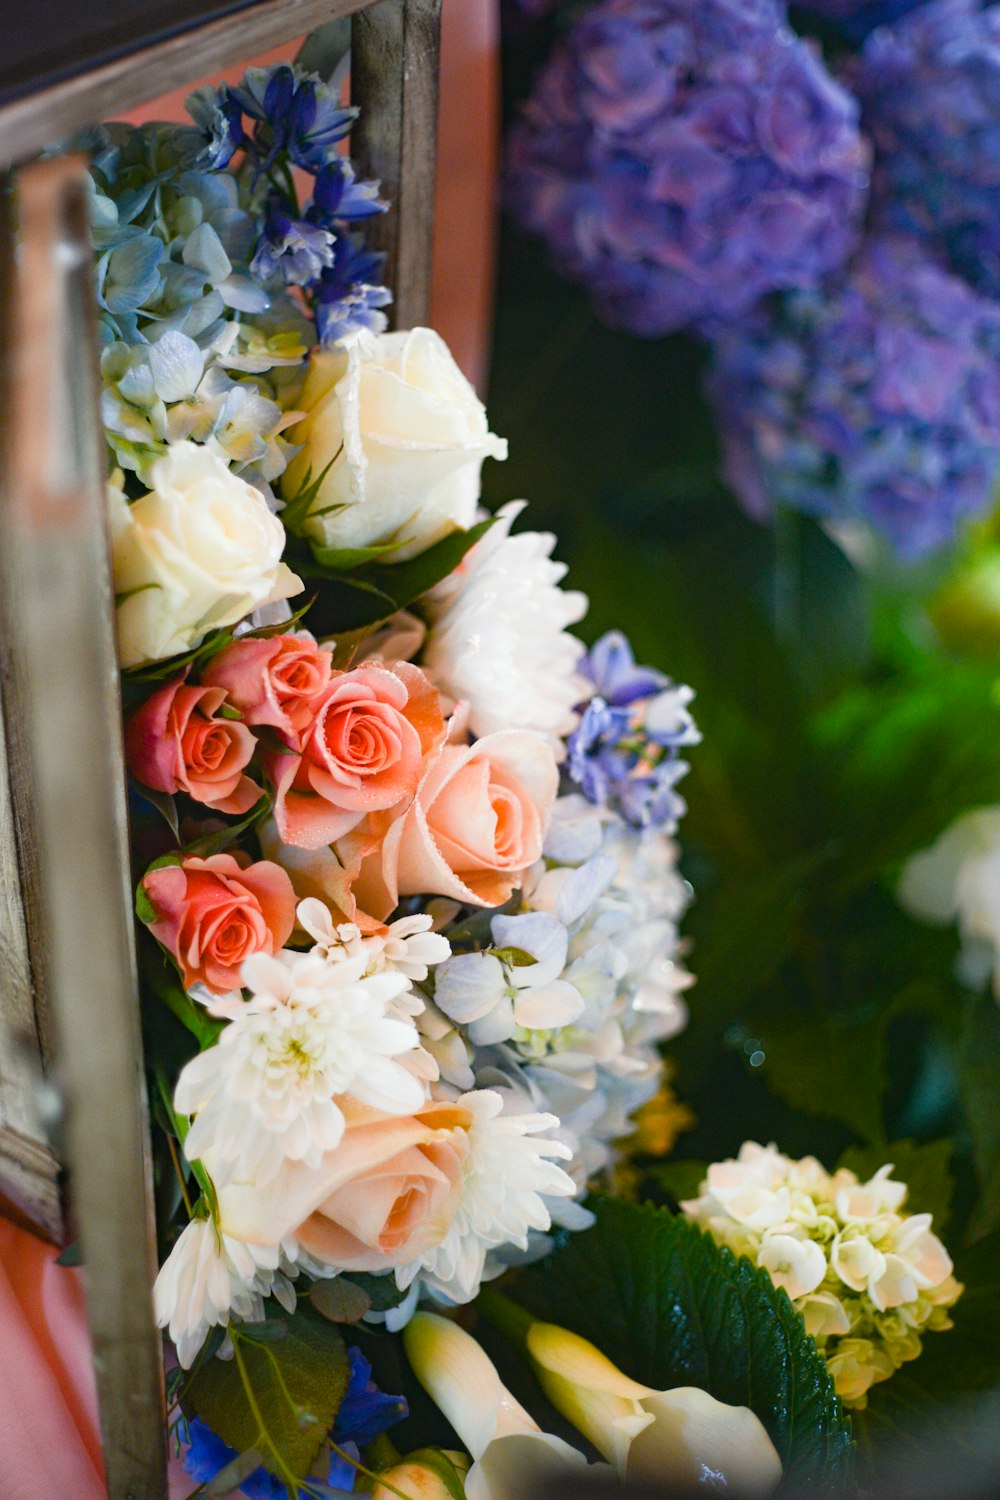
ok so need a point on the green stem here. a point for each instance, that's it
(504, 1314)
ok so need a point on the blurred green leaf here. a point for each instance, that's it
(831, 1065)
(979, 1083)
(926, 1170)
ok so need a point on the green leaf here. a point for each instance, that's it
(296, 1392)
(216, 843)
(340, 1300)
(677, 1179)
(670, 1307)
(979, 1084)
(926, 1170)
(173, 665)
(374, 592)
(834, 1066)
(335, 560)
(381, 1291)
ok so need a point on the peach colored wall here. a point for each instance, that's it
(465, 200)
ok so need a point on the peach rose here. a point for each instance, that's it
(175, 743)
(477, 822)
(385, 1195)
(211, 914)
(276, 681)
(361, 753)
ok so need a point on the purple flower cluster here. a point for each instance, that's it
(879, 399)
(624, 754)
(856, 18)
(279, 118)
(683, 158)
(930, 93)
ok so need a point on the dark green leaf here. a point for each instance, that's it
(677, 1179)
(670, 1307)
(216, 843)
(924, 1169)
(159, 670)
(979, 1082)
(297, 1391)
(833, 1066)
(164, 804)
(271, 1331)
(381, 1291)
(335, 560)
(374, 592)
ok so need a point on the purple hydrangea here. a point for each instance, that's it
(879, 399)
(930, 93)
(684, 157)
(625, 752)
(856, 18)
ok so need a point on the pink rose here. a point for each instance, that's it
(476, 823)
(385, 1195)
(175, 743)
(361, 752)
(276, 681)
(211, 914)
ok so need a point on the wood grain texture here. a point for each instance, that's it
(40, 120)
(395, 50)
(57, 587)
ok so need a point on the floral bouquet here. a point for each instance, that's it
(408, 897)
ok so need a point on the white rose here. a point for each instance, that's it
(405, 436)
(198, 551)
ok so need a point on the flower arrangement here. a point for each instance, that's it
(408, 880)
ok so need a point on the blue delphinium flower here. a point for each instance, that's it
(878, 399)
(291, 248)
(930, 93)
(682, 158)
(292, 112)
(349, 295)
(364, 1413)
(338, 195)
(625, 752)
(218, 114)
(856, 18)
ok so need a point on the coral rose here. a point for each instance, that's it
(386, 1195)
(175, 743)
(361, 753)
(276, 681)
(212, 914)
(477, 822)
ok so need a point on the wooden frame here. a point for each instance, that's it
(69, 1023)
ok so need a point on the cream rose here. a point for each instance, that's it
(405, 436)
(199, 550)
(384, 1196)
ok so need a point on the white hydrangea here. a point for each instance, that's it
(508, 1175)
(867, 1278)
(209, 1278)
(498, 640)
(958, 880)
(312, 1029)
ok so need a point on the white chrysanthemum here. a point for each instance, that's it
(867, 1278)
(508, 1174)
(498, 638)
(313, 1029)
(407, 946)
(209, 1278)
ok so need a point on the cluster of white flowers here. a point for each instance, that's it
(868, 1279)
(958, 880)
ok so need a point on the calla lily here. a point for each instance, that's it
(680, 1437)
(512, 1457)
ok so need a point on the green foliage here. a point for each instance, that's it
(979, 1077)
(830, 1065)
(280, 1403)
(926, 1170)
(670, 1307)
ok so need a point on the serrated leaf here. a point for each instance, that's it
(310, 1371)
(374, 592)
(670, 1307)
(926, 1170)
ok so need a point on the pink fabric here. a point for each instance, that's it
(49, 1443)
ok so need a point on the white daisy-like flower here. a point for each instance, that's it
(312, 1029)
(498, 638)
(508, 1174)
(407, 946)
(209, 1278)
